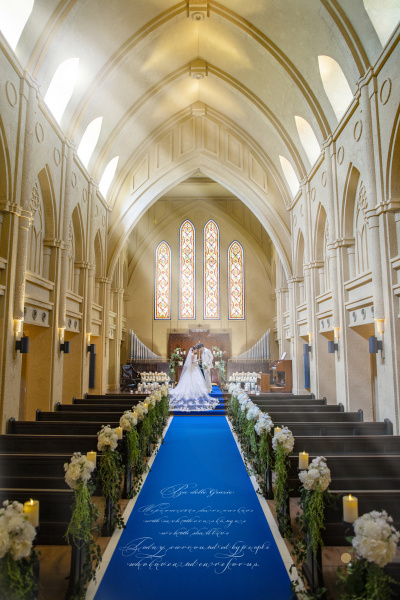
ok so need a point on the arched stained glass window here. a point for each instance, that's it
(163, 282)
(236, 281)
(187, 271)
(211, 271)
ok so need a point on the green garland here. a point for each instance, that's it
(313, 504)
(282, 489)
(135, 460)
(111, 474)
(79, 532)
(365, 580)
(18, 578)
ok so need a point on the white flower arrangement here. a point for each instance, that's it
(375, 538)
(284, 438)
(247, 405)
(128, 420)
(139, 412)
(242, 396)
(107, 438)
(16, 532)
(144, 407)
(164, 391)
(253, 413)
(78, 469)
(317, 473)
(263, 424)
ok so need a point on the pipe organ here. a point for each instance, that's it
(260, 350)
(138, 350)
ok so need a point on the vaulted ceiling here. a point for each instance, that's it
(253, 66)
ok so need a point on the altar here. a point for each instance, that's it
(209, 339)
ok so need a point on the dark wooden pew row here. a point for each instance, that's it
(357, 444)
(104, 418)
(72, 428)
(39, 471)
(323, 408)
(116, 408)
(316, 402)
(280, 418)
(338, 429)
(336, 532)
(131, 401)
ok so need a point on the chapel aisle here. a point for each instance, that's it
(197, 529)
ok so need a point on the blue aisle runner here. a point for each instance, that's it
(197, 529)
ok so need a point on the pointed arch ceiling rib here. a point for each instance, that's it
(143, 63)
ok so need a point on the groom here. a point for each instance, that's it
(205, 364)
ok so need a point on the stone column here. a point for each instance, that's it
(68, 153)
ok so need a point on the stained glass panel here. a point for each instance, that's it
(163, 282)
(211, 271)
(236, 281)
(187, 272)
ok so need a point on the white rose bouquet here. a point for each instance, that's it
(138, 412)
(164, 391)
(143, 407)
(283, 438)
(375, 538)
(253, 413)
(317, 473)
(264, 424)
(78, 469)
(128, 420)
(107, 438)
(16, 532)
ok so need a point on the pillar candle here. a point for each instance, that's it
(350, 508)
(31, 509)
(118, 431)
(277, 429)
(92, 456)
(303, 460)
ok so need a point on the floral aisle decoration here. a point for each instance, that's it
(375, 544)
(282, 444)
(252, 415)
(314, 496)
(128, 422)
(78, 474)
(145, 428)
(111, 472)
(263, 428)
(18, 559)
(175, 359)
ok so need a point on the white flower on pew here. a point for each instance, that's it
(16, 532)
(242, 396)
(284, 438)
(247, 405)
(376, 539)
(78, 469)
(107, 437)
(128, 420)
(317, 473)
(143, 407)
(139, 412)
(164, 391)
(253, 413)
(263, 424)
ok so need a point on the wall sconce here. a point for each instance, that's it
(375, 345)
(22, 345)
(380, 325)
(64, 346)
(334, 346)
(91, 348)
(307, 348)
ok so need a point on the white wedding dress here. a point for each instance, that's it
(191, 393)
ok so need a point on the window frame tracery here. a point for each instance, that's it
(211, 255)
(184, 313)
(167, 315)
(242, 316)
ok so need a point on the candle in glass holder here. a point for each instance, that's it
(303, 460)
(31, 509)
(92, 456)
(277, 429)
(118, 431)
(350, 509)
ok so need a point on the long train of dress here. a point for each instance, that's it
(191, 392)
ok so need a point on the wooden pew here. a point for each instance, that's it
(357, 444)
(280, 418)
(104, 418)
(323, 408)
(338, 429)
(71, 428)
(120, 408)
(289, 402)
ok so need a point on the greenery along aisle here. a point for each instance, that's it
(282, 444)
(84, 516)
(18, 559)
(111, 473)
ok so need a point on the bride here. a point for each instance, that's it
(191, 392)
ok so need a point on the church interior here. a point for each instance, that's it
(181, 171)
